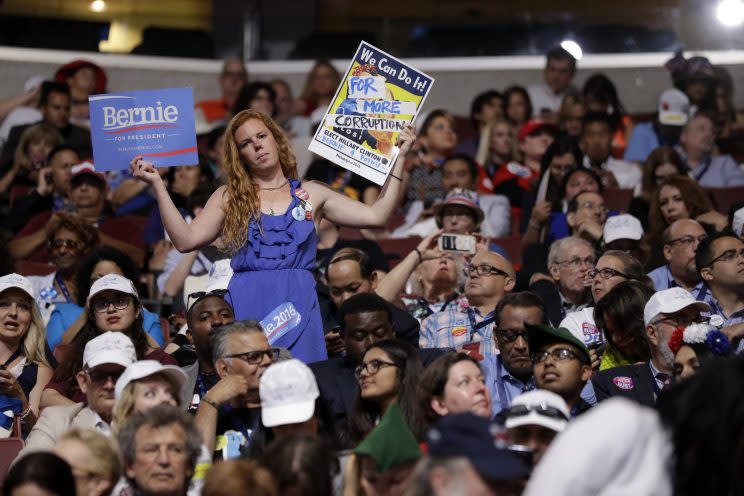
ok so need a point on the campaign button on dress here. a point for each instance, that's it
(301, 194)
(625, 383)
(298, 213)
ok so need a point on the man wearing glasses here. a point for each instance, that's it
(569, 260)
(229, 415)
(104, 360)
(720, 261)
(469, 324)
(680, 240)
(560, 363)
(664, 312)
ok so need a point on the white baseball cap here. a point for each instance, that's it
(674, 108)
(544, 408)
(623, 226)
(738, 222)
(288, 392)
(145, 368)
(17, 281)
(109, 347)
(114, 282)
(670, 301)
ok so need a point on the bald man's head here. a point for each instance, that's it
(489, 276)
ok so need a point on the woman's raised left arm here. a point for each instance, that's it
(344, 211)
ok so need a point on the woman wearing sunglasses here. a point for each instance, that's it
(388, 374)
(113, 305)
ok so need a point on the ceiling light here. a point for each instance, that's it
(97, 5)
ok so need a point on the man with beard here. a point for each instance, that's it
(509, 373)
(665, 311)
(680, 240)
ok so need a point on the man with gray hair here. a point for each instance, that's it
(565, 290)
(160, 448)
(229, 415)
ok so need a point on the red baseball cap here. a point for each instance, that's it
(87, 168)
(534, 125)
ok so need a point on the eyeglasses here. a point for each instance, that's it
(575, 263)
(727, 256)
(681, 320)
(605, 273)
(102, 305)
(559, 354)
(101, 377)
(70, 244)
(511, 335)
(542, 409)
(372, 367)
(483, 270)
(590, 205)
(256, 357)
(688, 240)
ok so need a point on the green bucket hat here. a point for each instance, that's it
(539, 335)
(391, 442)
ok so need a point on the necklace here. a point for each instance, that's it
(277, 187)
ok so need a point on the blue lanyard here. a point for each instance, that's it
(702, 170)
(63, 287)
(476, 327)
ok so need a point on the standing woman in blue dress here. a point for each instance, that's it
(268, 222)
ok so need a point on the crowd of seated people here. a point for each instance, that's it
(603, 292)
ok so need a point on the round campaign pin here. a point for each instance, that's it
(301, 194)
(308, 215)
(298, 213)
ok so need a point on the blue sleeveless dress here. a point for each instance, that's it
(273, 282)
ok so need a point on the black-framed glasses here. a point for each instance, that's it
(558, 354)
(70, 244)
(372, 367)
(101, 305)
(198, 295)
(687, 240)
(256, 357)
(605, 273)
(727, 256)
(101, 377)
(511, 335)
(483, 270)
(542, 409)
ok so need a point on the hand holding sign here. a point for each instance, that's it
(144, 171)
(405, 140)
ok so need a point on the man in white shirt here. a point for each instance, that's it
(104, 360)
(546, 97)
(596, 142)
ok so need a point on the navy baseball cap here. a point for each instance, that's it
(477, 439)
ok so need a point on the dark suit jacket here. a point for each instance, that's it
(75, 136)
(339, 388)
(634, 382)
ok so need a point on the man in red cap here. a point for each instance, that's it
(514, 179)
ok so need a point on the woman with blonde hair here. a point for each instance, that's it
(268, 221)
(143, 385)
(320, 86)
(93, 459)
(24, 366)
(31, 155)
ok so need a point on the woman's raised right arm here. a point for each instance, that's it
(203, 230)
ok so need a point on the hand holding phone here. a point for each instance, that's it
(457, 243)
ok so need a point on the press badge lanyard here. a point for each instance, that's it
(63, 287)
(476, 327)
(702, 170)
